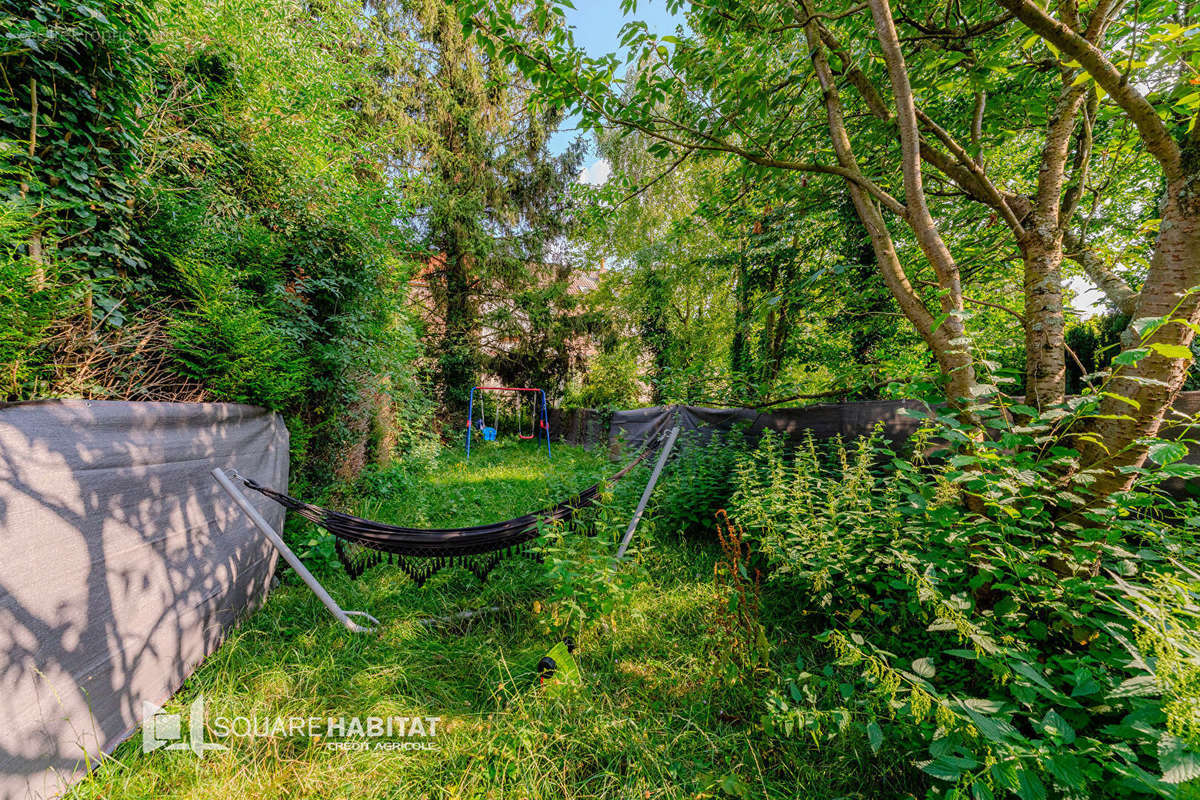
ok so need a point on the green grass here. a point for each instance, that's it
(501, 480)
(652, 717)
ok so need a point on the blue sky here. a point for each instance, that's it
(597, 25)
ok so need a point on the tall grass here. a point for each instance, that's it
(650, 719)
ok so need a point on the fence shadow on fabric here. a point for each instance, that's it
(122, 567)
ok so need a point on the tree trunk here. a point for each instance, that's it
(1045, 353)
(1140, 395)
(458, 360)
(1156, 380)
(1042, 247)
(739, 348)
(947, 340)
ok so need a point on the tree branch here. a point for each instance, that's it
(1154, 133)
(642, 189)
(967, 173)
(714, 144)
(953, 359)
(989, 194)
(1113, 285)
(919, 217)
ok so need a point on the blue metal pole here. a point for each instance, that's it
(470, 413)
(546, 419)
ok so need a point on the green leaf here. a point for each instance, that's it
(949, 768)
(924, 667)
(1054, 725)
(1005, 774)
(1085, 684)
(1066, 770)
(1130, 357)
(1171, 350)
(1146, 326)
(1167, 452)
(1177, 761)
(874, 736)
(997, 731)
(1028, 671)
(1029, 785)
(1121, 398)
(1138, 686)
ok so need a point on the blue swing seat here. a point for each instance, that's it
(489, 434)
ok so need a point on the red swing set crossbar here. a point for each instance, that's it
(505, 389)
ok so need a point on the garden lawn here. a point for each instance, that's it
(650, 719)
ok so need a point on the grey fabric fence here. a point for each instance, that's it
(122, 567)
(578, 426)
(824, 421)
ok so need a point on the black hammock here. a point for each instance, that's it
(421, 552)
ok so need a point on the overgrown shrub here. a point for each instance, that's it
(263, 212)
(612, 380)
(232, 343)
(69, 139)
(585, 584)
(1033, 647)
(31, 298)
(194, 187)
(70, 95)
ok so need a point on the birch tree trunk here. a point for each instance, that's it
(946, 334)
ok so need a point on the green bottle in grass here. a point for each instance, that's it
(557, 670)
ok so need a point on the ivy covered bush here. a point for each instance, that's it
(1030, 647)
(195, 207)
(69, 139)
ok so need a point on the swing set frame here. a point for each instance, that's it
(542, 424)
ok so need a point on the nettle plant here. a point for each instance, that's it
(585, 584)
(698, 481)
(984, 612)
